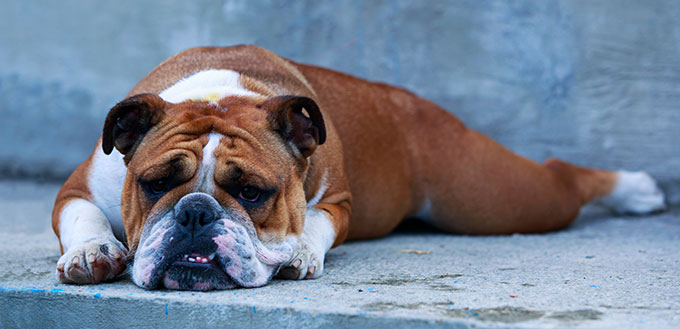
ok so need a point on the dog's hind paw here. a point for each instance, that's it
(635, 193)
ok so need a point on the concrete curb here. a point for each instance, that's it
(602, 272)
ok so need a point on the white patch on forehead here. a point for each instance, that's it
(207, 170)
(208, 85)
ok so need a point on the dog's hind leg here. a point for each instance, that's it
(480, 187)
(624, 192)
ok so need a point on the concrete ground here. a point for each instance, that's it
(604, 271)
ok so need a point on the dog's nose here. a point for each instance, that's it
(195, 215)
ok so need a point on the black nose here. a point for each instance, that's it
(196, 215)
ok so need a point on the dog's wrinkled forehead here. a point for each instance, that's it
(203, 135)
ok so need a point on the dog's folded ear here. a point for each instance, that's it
(286, 115)
(128, 122)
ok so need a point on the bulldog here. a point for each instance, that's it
(224, 167)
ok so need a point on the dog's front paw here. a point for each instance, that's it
(316, 239)
(92, 262)
(307, 262)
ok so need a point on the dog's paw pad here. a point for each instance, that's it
(91, 262)
(635, 193)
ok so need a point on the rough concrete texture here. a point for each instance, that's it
(602, 272)
(594, 82)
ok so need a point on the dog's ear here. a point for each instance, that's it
(128, 122)
(305, 132)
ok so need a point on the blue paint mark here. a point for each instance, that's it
(369, 289)
(292, 302)
(594, 286)
(254, 309)
(628, 291)
(166, 309)
(129, 294)
(97, 295)
(474, 314)
(162, 294)
(304, 298)
(2, 288)
(56, 290)
(38, 290)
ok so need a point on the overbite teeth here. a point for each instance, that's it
(212, 256)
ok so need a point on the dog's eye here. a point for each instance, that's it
(249, 194)
(158, 186)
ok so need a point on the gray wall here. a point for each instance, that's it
(594, 82)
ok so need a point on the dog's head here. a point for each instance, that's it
(213, 197)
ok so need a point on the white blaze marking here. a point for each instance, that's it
(323, 186)
(207, 170)
(208, 85)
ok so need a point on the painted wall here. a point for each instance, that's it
(593, 82)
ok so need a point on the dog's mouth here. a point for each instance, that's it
(194, 259)
(226, 255)
(196, 271)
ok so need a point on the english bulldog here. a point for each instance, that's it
(224, 167)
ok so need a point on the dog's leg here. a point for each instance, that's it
(495, 191)
(326, 226)
(624, 192)
(90, 251)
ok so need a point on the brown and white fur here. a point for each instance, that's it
(328, 156)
